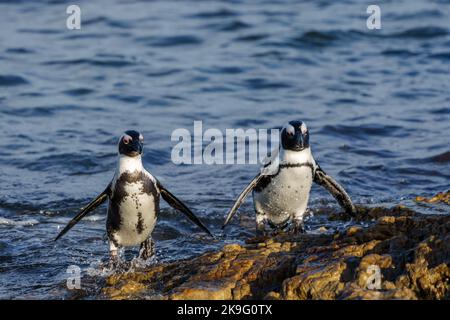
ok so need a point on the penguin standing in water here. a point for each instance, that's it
(133, 197)
(281, 190)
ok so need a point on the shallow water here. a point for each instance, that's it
(377, 104)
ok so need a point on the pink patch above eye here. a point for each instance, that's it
(127, 139)
(290, 130)
(303, 129)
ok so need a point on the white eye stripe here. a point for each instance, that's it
(303, 128)
(141, 137)
(290, 129)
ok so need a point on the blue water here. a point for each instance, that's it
(377, 103)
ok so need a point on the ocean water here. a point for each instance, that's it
(377, 103)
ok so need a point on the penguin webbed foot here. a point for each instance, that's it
(261, 229)
(114, 260)
(260, 236)
(147, 249)
(297, 227)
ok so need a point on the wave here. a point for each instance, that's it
(78, 92)
(220, 13)
(421, 33)
(12, 80)
(231, 26)
(45, 111)
(325, 38)
(360, 131)
(10, 222)
(441, 158)
(170, 41)
(264, 84)
(116, 63)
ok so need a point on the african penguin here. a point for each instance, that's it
(134, 196)
(281, 190)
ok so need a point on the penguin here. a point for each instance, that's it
(134, 196)
(281, 189)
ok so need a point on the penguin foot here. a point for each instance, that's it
(114, 261)
(261, 232)
(147, 249)
(260, 226)
(298, 228)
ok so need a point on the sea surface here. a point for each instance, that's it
(377, 103)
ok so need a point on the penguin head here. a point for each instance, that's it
(295, 136)
(131, 144)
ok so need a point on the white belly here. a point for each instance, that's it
(286, 195)
(137, 216)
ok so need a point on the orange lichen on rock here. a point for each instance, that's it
(443, 197)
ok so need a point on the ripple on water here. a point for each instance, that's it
(214, 14)
(444, 56)
(441, 158)
(47, 111)
(170, 41)
(111, 63)
(12, 80)
(264, 84)
(363, 131)
(421, 33)
(19, 50)
(445, 110)
(228, 26)
(20, 223)
(78, 92)
(253, 37)
(64, 163)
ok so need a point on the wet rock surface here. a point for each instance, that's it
(443, 197)
(400, 255)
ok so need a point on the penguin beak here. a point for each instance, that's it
(301, 142)
(136, 148)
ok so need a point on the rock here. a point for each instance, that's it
(443, 197)
(400, 255)
(129, 289)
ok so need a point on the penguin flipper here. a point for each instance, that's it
(102, 197)
(175, 203)
(336, 190)
(241, 198)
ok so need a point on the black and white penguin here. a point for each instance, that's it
(281, 190)
(134, 196)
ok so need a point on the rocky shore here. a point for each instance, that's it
(401, 254)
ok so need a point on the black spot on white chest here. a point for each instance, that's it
(134, 203)
(285, 194)
(289, 177)
(133, 184)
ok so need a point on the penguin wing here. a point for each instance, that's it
(102, 197)
(241, 198)
(175, 203)
(337, 191)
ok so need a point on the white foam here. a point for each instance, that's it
(95, 217)
(29, 222)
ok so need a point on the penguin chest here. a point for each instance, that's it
(133, 212)
(285, 194)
